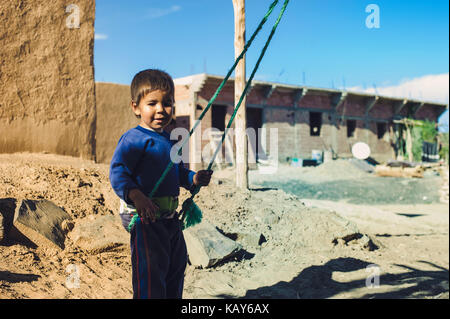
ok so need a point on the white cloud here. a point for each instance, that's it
(100, 36)
(432, 88)
(160, 12)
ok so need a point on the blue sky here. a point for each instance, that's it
(322, 43)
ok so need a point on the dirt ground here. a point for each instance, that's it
(297, 243)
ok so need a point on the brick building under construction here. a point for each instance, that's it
(306, 118)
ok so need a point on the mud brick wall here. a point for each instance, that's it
(115, 116)
(47, 94)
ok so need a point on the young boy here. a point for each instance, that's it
(158, 249)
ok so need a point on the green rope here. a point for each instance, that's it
(191, 212)
(195, 211)
(170, 165)
(248, 84)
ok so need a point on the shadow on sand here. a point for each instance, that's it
(316, 282)
(15, 277)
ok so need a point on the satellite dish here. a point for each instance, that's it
(361, 150)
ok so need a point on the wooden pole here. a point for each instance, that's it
(239, 84)
(409, 146)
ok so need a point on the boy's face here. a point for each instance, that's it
(155, 109)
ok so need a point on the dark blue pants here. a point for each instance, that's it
(158, 259)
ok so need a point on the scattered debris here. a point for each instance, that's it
(403, 164)
(356, 239)
(388, 171)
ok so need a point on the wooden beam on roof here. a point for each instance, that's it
(250, 88)
(198, 82)
(202, 102)
(299, 95)
(418, 107)
(268, 91)
(398, 107)
(371, 103)
(338, 100)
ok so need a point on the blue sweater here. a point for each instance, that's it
(139, 160)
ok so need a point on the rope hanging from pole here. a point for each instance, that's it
(190, 212)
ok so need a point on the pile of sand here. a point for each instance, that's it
(289, 250)
(444, 187)
(80, 187)
(340, 169)
(275, 229)
(344, 180)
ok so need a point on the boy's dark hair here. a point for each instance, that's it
(149, 80)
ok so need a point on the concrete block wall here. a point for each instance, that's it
(282, 120)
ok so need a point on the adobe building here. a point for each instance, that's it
(306, 118)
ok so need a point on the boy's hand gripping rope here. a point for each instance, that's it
(191, 213)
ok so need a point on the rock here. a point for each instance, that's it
(267, 216)
(96, 234)
(1, 228)
(67, 226)
(7, 209)
(362, 165)
(34, 222)
(362, 241)
(251, 239)
(207, 246)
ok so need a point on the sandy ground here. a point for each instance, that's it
(294, 246)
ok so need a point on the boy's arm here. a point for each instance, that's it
(123, 163)
(186, 177)
(189, 179)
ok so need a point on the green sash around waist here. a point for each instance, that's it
(166, 204)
